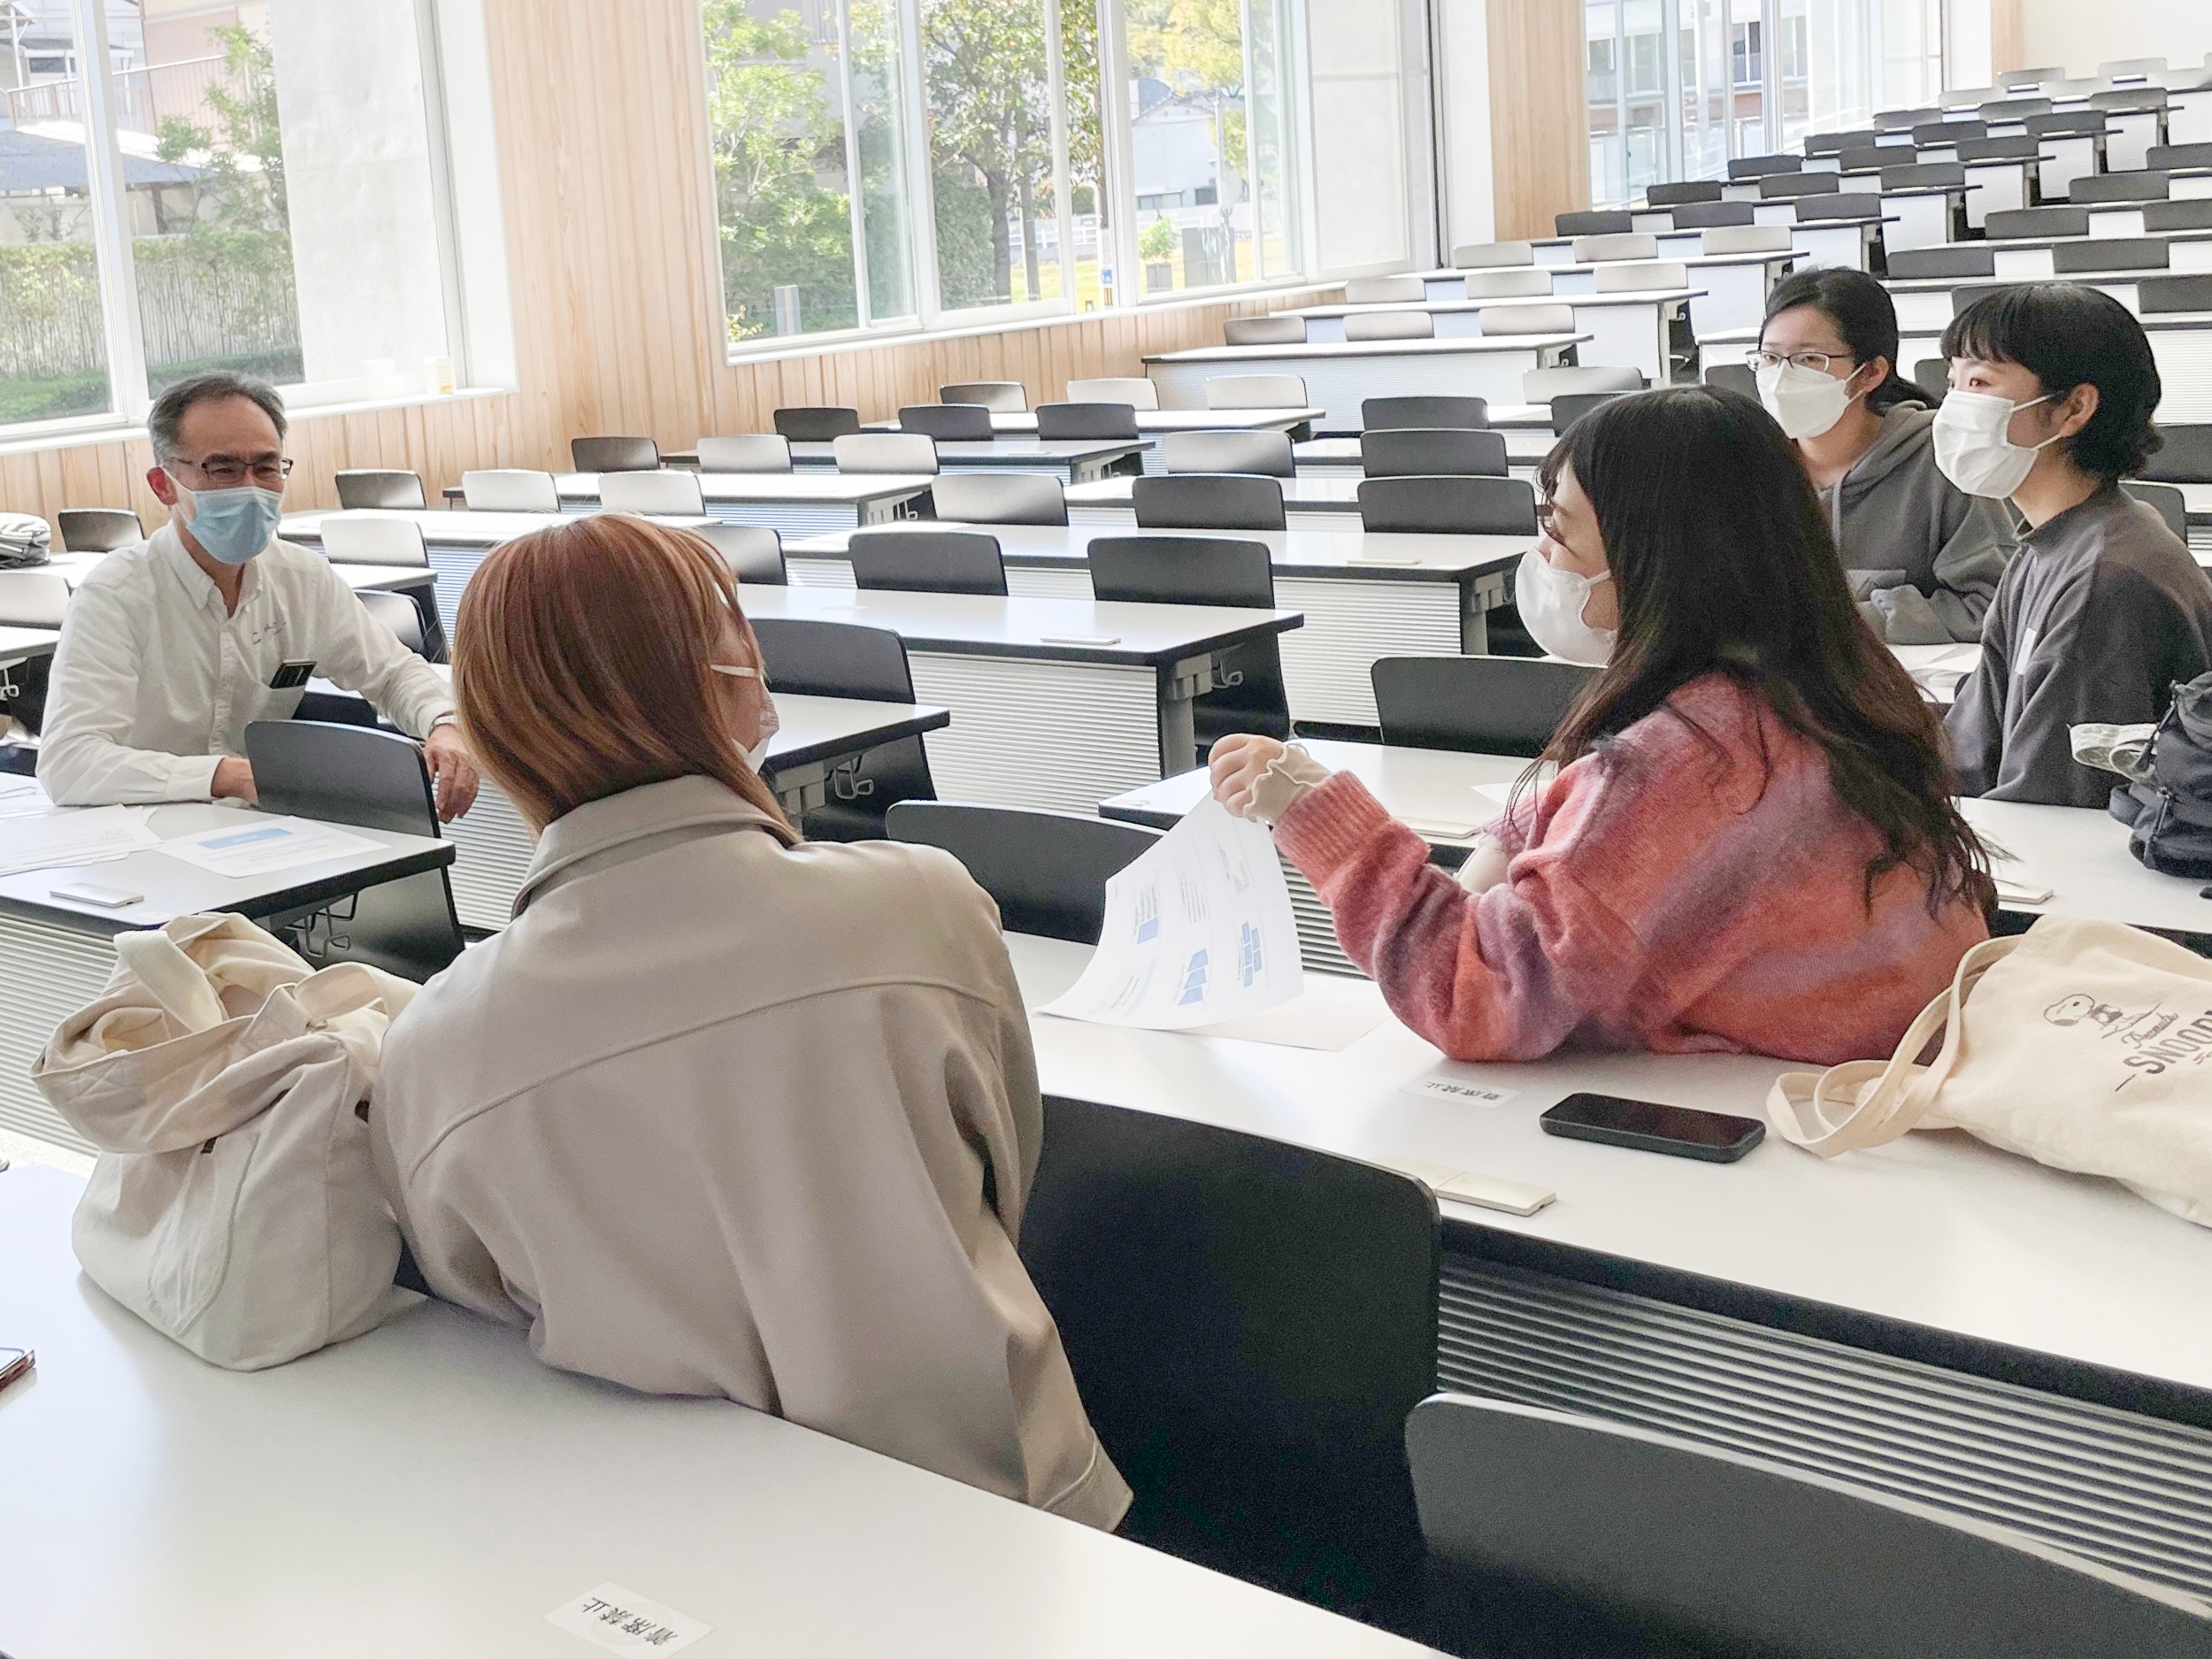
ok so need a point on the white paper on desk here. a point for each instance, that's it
(256, 846)
(77, 835)
(1329, 1015)
(1198, 929)
(20, 793)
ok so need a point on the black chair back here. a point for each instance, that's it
(1479, 705)
(1448, 506)
(1086, 420)
(1852, 206)
(1759, 167)
(2188, 213)
(399, 613)
(1005, 397)
(2109, 253)
(1733, 377)
(972, 496)
(1569, 407)
(2173, 157)
(1710, 215)
(98, 529)
(1470, 414)
(927, 561)
(2191, 293)
(841, 659)
(1207, 501)
(1190, 570)
(376, 779)
(956, 423)
(2185, 458)
(1690, 192)
(2167, 502)
(754, 552)
(1960, 260)
(1262, 453)
(2036, 221)
(2138, 186)
(1933, 376)
(361, 487)
(2002, 148)
(1603, 222)
(1250, 1324)
(1431, 451)
(1692, 1547)
(1046, 872)
(817, 423)
(1781, 186)
(615, 454)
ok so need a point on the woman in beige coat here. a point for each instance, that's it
(722, 1113)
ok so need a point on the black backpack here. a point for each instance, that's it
(2170, 812)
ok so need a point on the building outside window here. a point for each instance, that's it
(1744, 78)
(244, 187)
(894, 164)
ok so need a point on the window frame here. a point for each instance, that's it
(115, 261)
(1118, 249)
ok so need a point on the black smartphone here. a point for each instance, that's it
(14, 1362)
(1648, 1126)
(291, 676)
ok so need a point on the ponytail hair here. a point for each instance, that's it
(1865, 318)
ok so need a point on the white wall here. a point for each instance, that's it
(1358, 107)
(2078, 35)
(1463, 80)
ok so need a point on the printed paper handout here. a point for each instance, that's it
(257, 845)
(1198, 929)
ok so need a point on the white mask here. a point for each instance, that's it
(1804, 401)
(771, 723)
(1551, 602)
(1972, 446)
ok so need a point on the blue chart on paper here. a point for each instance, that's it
(1147, 915)
(1194, 980)
(1251, 959)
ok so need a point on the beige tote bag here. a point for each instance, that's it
(2084, 1045)
(234, 1206)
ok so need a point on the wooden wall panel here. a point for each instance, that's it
(613, 268)
(1540, 140)
(2007, 42)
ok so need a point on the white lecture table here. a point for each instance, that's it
(1633, 328)
(1151, 423)
(18, 646)
(60, 953)
(1339, 377)
(1070, 460)
(431, 1489)
(1363, 596)
(1934, 1318)
(456, 542)
(1309, 503)
(1055, 702)
(796, 503)
(1735, 285)
(818, 739)
(1526, 447)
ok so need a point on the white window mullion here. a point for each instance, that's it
(1120, 179)
(110, 214)
(922, 216)
(1063, 215)
(441, 145)
(855, 191)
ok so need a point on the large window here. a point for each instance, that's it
(895, 163)
(1745, 78)
(246, 186)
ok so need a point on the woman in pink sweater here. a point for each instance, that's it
(1749, 843)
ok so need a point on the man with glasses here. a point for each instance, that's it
(172, 647)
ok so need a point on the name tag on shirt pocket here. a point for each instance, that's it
(292, 676)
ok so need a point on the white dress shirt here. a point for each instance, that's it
(153, 684)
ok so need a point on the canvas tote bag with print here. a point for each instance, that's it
(234, 1206)
(2084, 1045)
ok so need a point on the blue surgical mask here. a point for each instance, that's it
(232, 525)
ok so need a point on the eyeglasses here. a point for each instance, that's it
(227, 472)
(1816, 361)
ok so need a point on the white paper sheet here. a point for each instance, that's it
(623, 1621)
(255, 846)
(1198, 929)
(1330, 1015)
(82, 835)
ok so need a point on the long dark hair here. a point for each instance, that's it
(1865, 319)
(1723, 564)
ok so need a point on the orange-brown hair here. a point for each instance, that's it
(580, 666)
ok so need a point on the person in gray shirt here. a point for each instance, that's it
(2103, 610)
(1923, 556)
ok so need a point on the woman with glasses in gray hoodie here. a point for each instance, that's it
(1923, 556)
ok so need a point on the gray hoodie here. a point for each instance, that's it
(1923, 556)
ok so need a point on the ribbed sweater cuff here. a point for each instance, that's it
(1324, 829)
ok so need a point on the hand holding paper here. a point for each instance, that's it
(1198, 929)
